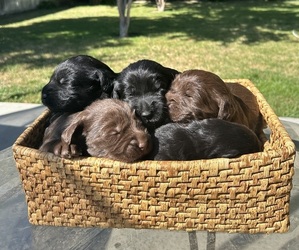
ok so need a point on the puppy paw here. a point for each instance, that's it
(67, 151)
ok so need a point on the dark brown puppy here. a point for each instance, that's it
(199, 94)
(110, 129)
(52, 137)
(205, 139)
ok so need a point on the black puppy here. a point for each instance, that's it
(76, 83)
(143, 85)
(205, 139)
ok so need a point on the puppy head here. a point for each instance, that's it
(199, 94)
(111, 130)
(143, 85)
(76, 82)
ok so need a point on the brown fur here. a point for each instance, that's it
(249, 99)
(110, 129)
(52, 137)
(199, 94)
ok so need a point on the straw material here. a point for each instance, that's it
(246, 194)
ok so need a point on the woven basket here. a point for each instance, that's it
(246, 194)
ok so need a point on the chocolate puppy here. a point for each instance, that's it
(242, 93)
(199, 94)
(205, 139)
(143, 85)
(110, 129)
(52, 136)
(76, 83)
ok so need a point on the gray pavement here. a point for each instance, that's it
(14, 118)
(16, 232)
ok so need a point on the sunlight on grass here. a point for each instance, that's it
(239, 39)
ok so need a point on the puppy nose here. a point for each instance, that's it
(142, 145)
(44, 97)
(146, 114)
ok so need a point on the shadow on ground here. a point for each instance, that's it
(225, 22)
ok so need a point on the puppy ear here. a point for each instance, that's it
(226, 110)
(168, 77)
(97, 76)
(67, 134)
(117, 92)
(171, 73)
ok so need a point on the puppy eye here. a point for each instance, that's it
(170, 92)
(188, 94)
(162, 91)
(171, 101)
(131, 91)
(115, 132)
(157, 85)
(62, 81)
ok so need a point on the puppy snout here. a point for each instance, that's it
(46, 92)
(147, 109)
(139, 144)
(146, 114)
(142, 145)
(44, 96)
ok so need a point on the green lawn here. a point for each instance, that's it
(234, 39)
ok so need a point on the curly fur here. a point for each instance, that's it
(199, 94)
(143, 85)
(76, 83)
(110, 129)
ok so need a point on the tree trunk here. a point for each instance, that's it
(160, 5)
(124, 7)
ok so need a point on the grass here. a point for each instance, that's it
(234, 39)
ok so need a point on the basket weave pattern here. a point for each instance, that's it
(246, 194)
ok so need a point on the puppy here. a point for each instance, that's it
(143, 85)
(199, 94)
(52, 136)
(242, 93)
(110, 129)
(205, 139)
(245, 95)
(76, 83)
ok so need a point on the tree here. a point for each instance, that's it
(124, 7)
(160, 5)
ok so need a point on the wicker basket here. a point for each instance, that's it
(246, 194)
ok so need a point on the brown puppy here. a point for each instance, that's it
(110, 129)
(241, 92)
(52, 136)
(204, 139)
(245, 95)
(199, 94)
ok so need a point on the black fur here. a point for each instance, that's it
(143, 85)
(205, 139)
(76, 83)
